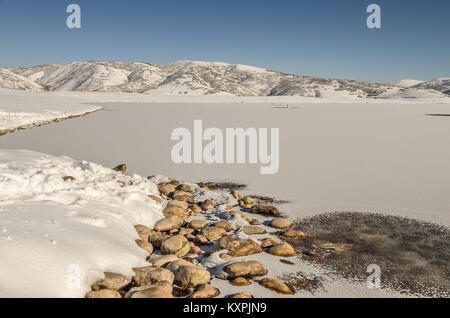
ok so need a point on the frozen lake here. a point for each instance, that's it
(389, 158)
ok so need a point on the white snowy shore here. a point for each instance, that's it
(21, 109)
(51, 229)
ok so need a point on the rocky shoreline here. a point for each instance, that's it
(201, 227)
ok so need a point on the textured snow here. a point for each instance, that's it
(57, 237)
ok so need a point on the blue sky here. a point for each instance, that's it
(326, 38)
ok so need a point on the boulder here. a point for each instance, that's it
(148, 247)
(239, 246)
(181, 204)
(205, 291)
(166, 188)
(198, 224)
(241, 214)
(176, 264)
(177, 245)
(190, 276)
(157, 238)
(253, 230)
(268, 242)
(160, 261)
(281, 223)
(265, 210)
(282, 249)
(103, 293)
(143, 231)
(122, 168)
(246, 202)
(152, 274)
(237, 195)
(174, 210)
(245, 269)
(155, 198)
(213, 232)
(240, 281)
(195, 208)
(112, 281)
(183, 187)
(183, 197)
(240, 295)
(207, 205)
(162, 289)
(294, 234)
(224, 225)
(276, 285)
(168, 223)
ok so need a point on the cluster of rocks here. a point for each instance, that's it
(176, 246)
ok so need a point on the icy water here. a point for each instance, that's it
(370, 158)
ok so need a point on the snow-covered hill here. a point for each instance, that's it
(193, 78)
(405, 83)
(439, 84)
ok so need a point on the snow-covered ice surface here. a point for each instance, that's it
(22, 109)
(56, 236)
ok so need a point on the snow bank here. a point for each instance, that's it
(411, 93)
(21, 109)
(56, 236)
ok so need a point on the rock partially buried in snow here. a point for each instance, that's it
(151, 274)
(143, 231)
(103, 293)
(183, 187)
(177, 245)
(241, 214)
(265, 210)
(122, 168)
(282, 249)
(253, 230)
(112, 281)
(239, 246)
(169, 223)
(155, 198)
(276, 285)
(281, 223)
(145, 246)
(161, 289)
(245, 269)
(207, 205)
(205, 291)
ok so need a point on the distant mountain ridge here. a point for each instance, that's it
(193, 78)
